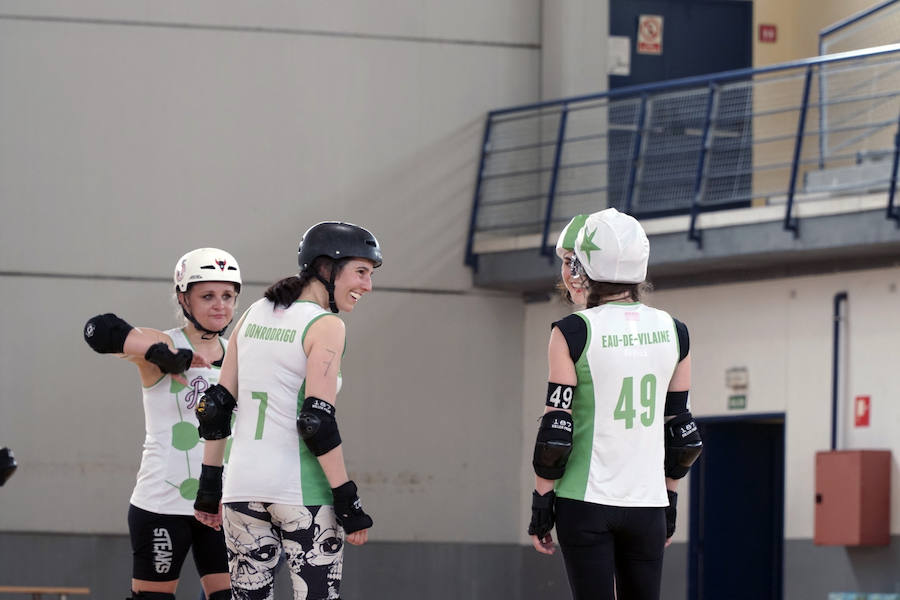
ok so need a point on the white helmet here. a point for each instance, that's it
(566, 241)
(612, 247)
(206, 264)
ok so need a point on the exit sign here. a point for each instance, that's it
(768, 33)
(737, 402)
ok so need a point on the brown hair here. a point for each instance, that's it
(598, 290)
(285, 292)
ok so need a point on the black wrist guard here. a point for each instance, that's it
(209, 494)
(168, 361)
(542, 514)
(670, 513)
(214, 413)
(106, 333)
(317, 427)
(348, 508)
(8, 464)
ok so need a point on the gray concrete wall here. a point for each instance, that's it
(133, 132)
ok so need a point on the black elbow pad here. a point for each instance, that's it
(553, 445)
(106, 333)
(683, 445)
(214, 413)
(317, 426)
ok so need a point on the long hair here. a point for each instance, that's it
(285, 292)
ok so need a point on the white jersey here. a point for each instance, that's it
(267, 460)
(170, 465)
(623, 376)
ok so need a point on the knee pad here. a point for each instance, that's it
(151, 596)
(220, 595)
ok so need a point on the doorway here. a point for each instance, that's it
(736, 541)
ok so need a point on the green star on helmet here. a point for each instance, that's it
(588, 245)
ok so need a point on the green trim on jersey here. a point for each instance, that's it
(314, 486)
(194, 350)
(311, 321)
(155, 383)
(573, 483)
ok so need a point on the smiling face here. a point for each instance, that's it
(211, 302)
(573, 285)
(354, 280)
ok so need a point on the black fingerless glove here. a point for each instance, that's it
(670, 513)
(169, 362)
(348, 508)
(209, 494)
(542, 514)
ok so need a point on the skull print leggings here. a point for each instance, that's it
(256, 534)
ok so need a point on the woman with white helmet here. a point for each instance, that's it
(570, 286)
(287, 488)
(616, 433)
(176, 366)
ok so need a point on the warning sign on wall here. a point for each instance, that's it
(649, 34)
(861, 407)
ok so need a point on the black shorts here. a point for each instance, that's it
(160, 543)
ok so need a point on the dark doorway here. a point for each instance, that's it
(699, 37)
(737, 510)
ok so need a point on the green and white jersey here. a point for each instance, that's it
(623, 374)
(170, 465)
(267, 460)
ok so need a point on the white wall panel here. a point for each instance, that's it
(498, 21)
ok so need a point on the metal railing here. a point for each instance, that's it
(692, 145)
(877, 25)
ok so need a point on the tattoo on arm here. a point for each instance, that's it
(330, 360)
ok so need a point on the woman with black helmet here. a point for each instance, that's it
(287, 487)
(616, 433)
(176, 366)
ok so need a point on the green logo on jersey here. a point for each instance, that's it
(270, 334)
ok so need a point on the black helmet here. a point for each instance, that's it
(337, 240)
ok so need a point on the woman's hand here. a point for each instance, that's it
(209, 519)
(543, 545)
(358, 538)
(198, 362)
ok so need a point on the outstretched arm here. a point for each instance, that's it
(151, 350)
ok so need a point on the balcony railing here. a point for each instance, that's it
(741, 138)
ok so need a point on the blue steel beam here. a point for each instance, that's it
(551, 191)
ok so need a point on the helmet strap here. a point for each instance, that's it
(329, 286)
(208, 334)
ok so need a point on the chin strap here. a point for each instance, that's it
(207, 332)
(329, 285)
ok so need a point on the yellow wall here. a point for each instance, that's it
(799, 23)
